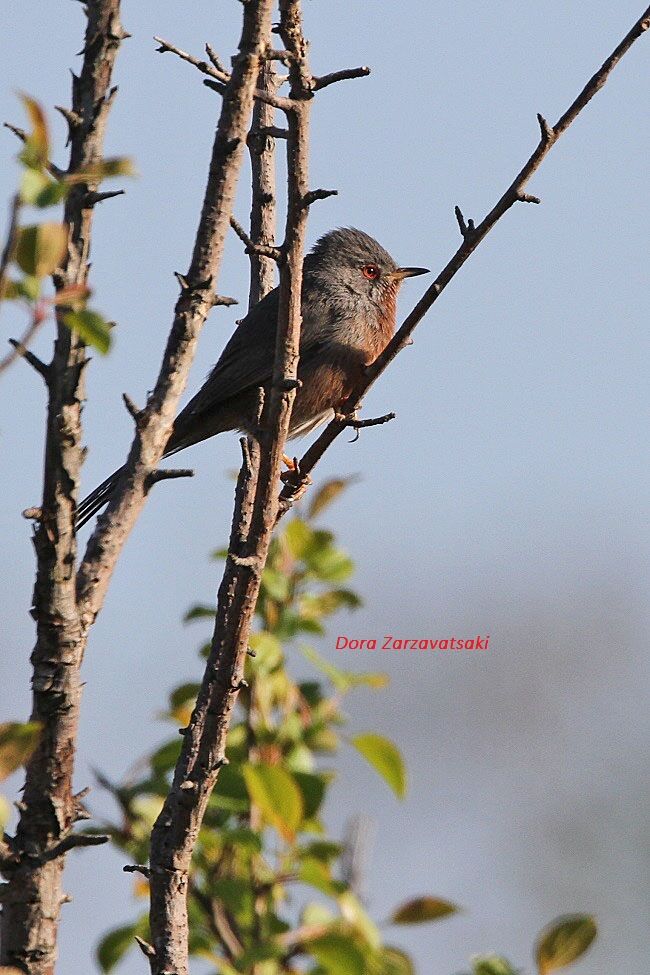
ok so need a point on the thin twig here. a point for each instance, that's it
(252, 247)
(472, 237)
(21, 350)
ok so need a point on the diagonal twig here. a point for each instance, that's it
(472, 236)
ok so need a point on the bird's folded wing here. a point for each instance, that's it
(247, 360)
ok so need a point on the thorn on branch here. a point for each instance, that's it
(32, 359)
(547, 131)
(167, 474)
(223, 300)
(374, 421)
(73, 119)
(264, 250)
(314, 195)
(182, 280)
(33, 514)
(19, 133)
(145, 947)
(287, 385)
(137, 868)
(250, 652)
(358, 425)
(273, 131)
(467, 229)
(329, 79)
(71, 842)
(93, 197)
(217, 86)
(135, 413)
(527, 197)
(215, 59)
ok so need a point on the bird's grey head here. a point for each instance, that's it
(352, 260)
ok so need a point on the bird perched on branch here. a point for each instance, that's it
(349, 292)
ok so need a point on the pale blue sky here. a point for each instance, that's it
(508, 497)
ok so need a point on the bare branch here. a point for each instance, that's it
(261, 147)
(48, 808)
(472, 237)
(203, 748)
(21, 350)
(262, 250)
(330, 79)
(137, 868)
(194, 303)
(203, 66)
(168, 474)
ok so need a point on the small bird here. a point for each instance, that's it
(348, 304)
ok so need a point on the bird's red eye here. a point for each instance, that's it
(370, 271)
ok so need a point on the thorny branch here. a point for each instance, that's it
(472, 235)
(48, 811)
(203, 750)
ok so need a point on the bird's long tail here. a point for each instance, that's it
(97, 498)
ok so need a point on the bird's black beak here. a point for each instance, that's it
(408, 272)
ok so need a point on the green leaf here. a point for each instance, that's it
(338, 955)
(275, 584)
(268, 652)
(564, 941)
(422, 909)
(392, 961)
(115, 945)
(17, 742)
(491, 965)
(339, 678)
(91, 327)
(331, 565)
(41, 247)
(298, 536)
(164, 758)
(327, 493)
(277, 795)
(199, 612)
(385, 758)
(114, 166)
(317, 874)
(183, 694)
(355, 914)
(37, 189)
(324, 850)
(312, 787)
(230, 792)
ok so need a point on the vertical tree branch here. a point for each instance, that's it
(33, 896)
(203, 752)
(262, 221)
(195, 301)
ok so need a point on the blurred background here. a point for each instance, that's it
(509, 496)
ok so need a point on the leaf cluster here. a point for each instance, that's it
(270, 890)
(36, 251)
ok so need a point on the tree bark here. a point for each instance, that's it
(48, 811)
